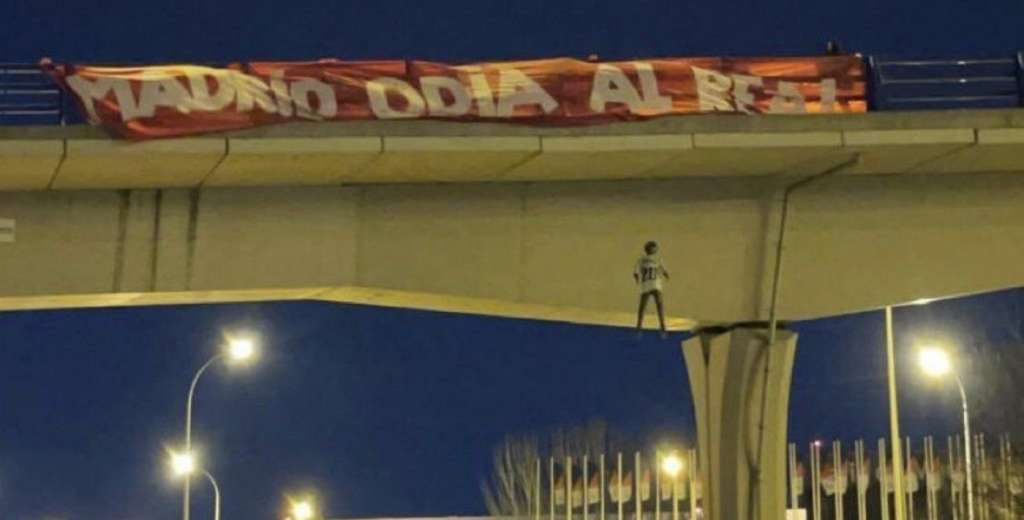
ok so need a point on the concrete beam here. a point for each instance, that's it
(603, 157)
(344, 295)
(294, 161)
(109, 164)
(448, 159)
(854, 242)
(27, 164)
(433, 151)
(899, 151)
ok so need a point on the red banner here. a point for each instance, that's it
(174, 100)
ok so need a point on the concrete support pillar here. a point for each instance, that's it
(734, 395)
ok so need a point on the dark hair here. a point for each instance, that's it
(649, 246)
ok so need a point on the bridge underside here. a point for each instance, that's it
(542, 224)
(459, 213)
(345, 295)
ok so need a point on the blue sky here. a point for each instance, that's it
(458, 30)
(393, 411)
(388, 411)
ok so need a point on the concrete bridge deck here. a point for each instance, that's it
(523, 221)
(38, 158)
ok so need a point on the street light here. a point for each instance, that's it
(240, 349)
(672, 465)
(237, 350)
(302, 510)
(183, 464)
(894, 413)
(935, 362)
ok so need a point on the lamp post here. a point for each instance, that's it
(894, 421)
(894, 412)
(672, 466)
(935, 362)
(237, 350)
(216, 495)
(184, 465)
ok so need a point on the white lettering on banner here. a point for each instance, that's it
(377, 90)
(432, 86)
(611, 85)
(517, 89)
(327, 102)
(652, 101)
(201, 98)
(741, 91)
(168, 92)
(280, 90)
(787, 100)
(199, 89)
(251, 91)
(713, 90)
(733, 92)
(828, 94)
(90, 91)
(480, 90)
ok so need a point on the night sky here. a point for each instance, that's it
(394, 412)
(459, 30)
(389, 411)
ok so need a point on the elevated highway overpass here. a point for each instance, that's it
(522, 216)
(540, 223)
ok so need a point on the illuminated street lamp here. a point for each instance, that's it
(671, 465)
(237, 350)
(302, 510)
(183, 464)
(935, 362)
(894, 412)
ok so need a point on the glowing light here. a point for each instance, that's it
(241, 349)
(672, 465)
(934, 361)
(302, 510)
(182, 464)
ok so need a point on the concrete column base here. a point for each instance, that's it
(726, 366)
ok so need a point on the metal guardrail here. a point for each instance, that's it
(29, 97)
(916, 84)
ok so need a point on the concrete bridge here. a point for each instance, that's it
(759, 218)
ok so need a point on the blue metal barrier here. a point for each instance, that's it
(28, 96)
(1020, 76)
(916, 84)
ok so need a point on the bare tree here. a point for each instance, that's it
(511, 490)
(589, 439)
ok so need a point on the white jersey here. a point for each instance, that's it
(650, 272)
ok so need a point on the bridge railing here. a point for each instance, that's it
(29, 97)
(914, 84)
